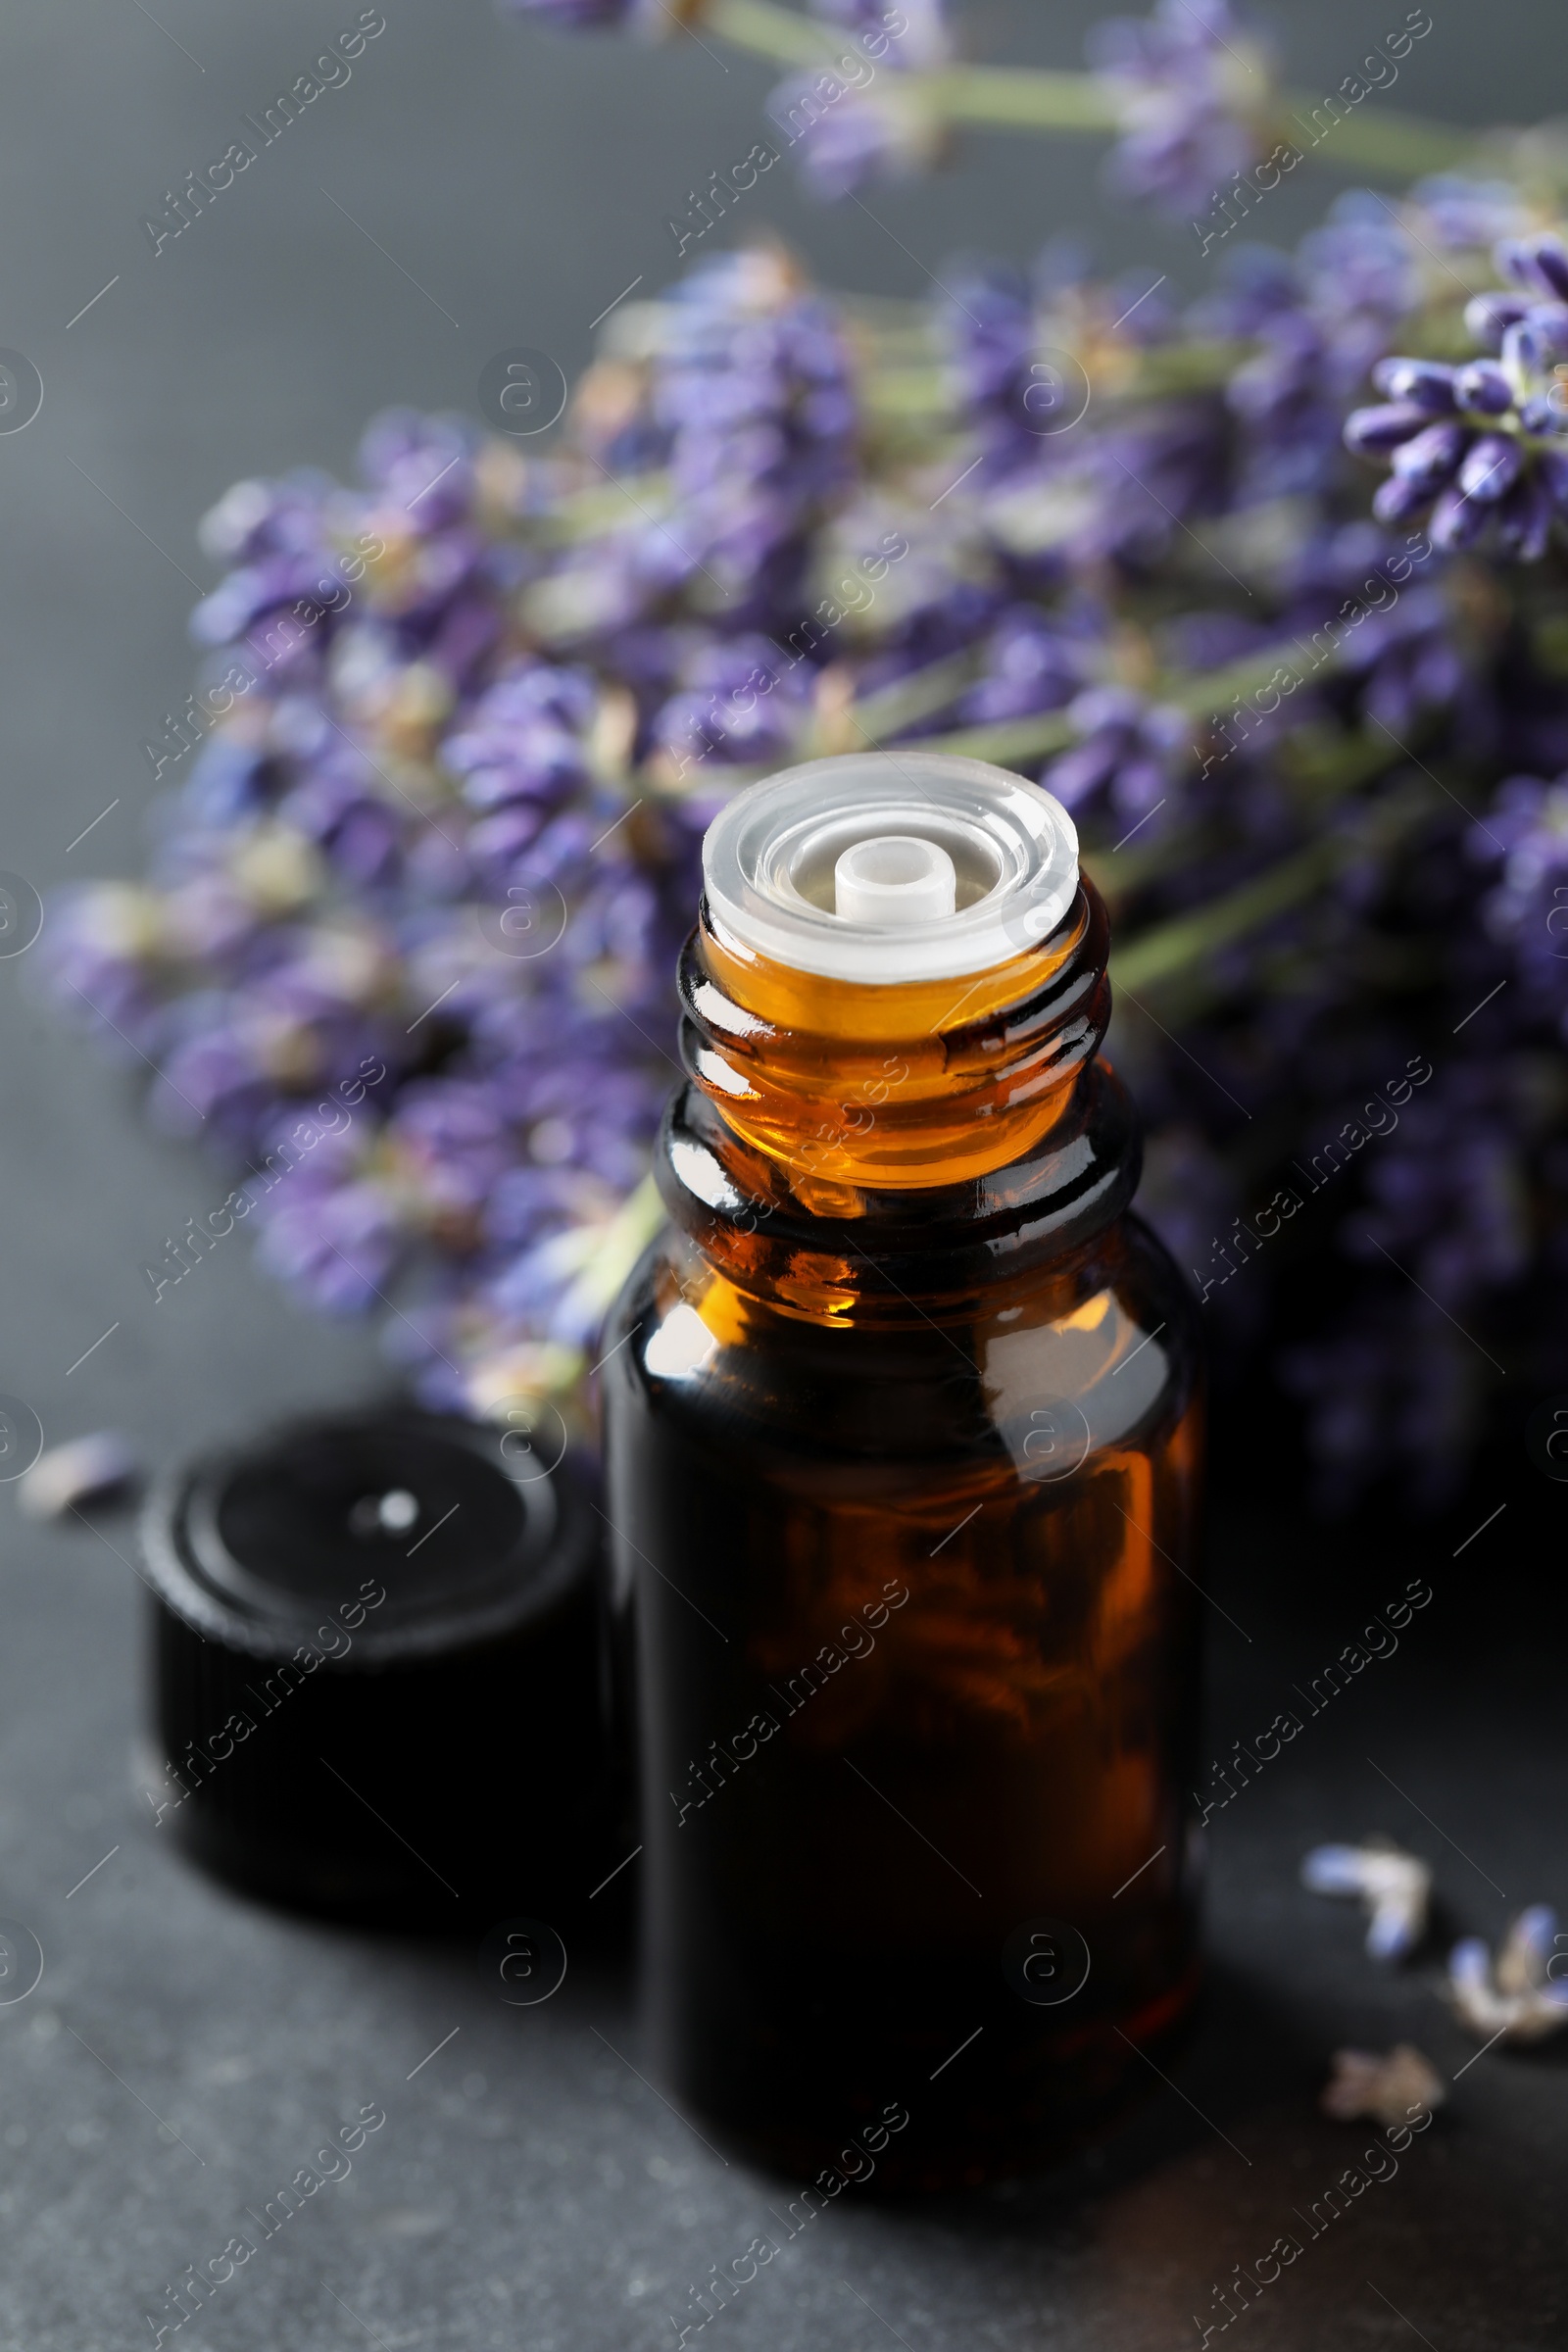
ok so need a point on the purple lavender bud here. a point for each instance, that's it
(1396, 501)
(335, 1244)
(1483, 385)
(1537, 413)
(1465, 211)
(1490, 468)
(423, 465)
(1532, 1935)
(1139, 786)
(1184, 135)
(1470, 1965)
(1522, 354)
(1512, 260)
(1487, 317)
(1372, 431)
(1360, 261)
(1539, 264)
(1456, 521)
(1524, 520)
(1551, 323)
(1029, 666)
(1523, 265)
(96, 1470)
(1132, 750)
(1389, 1933)
(1080, 772)
(925, 41)
(1100, 708)
(1431, 458)
(855, 142)
(1332, 1870)
(1424, 383)
(1552, 472)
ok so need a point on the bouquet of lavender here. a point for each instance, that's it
(1269, 591)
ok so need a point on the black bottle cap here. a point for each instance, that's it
(379, 1680)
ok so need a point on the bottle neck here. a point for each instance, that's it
(846, 1150)
(904, 1087)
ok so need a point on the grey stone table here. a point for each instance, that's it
(187, 2052)
(476, 186)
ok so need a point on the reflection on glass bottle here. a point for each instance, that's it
(903, 1447)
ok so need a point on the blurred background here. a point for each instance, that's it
(480, 184)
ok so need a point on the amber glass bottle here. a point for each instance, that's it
(903, 1427)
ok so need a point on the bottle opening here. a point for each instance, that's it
(895, 878)
(890, 866)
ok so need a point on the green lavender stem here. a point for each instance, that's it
(1172, 950)
(1012, 98)
(768, 31)
(1378, 140)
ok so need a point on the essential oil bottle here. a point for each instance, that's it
(904, 1432)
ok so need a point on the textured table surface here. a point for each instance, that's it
(185, 2053)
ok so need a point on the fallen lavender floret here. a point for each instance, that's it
(84, 1472)
(1517, 1999)
(1386, 2085)
(1395, 1889)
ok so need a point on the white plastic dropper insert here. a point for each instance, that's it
(895, 878)
(890, 866)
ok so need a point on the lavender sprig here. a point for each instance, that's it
(402, 955)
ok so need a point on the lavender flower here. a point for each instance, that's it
(1403, 653)
(746, 704)
(1031, 662)
(1320, 323)
(851, 121)
(1363, 263)
(336, 1245)
(992, 334)
(1460, 213)
(1524, 835)
(1446, 1194)
(1393, 1393)
(1130, 757)
(468, 686)
(758, 396)
(1484, 446)
(848, 138)
(925, 41)
(1192, 87)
